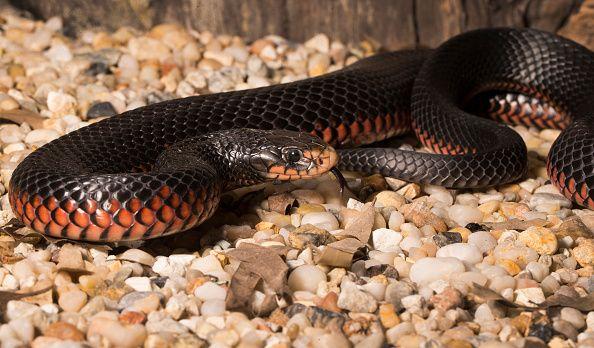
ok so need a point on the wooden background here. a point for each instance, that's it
(392, 23)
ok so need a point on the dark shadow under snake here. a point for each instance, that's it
(517, 75)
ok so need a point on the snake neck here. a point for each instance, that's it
(221, 154)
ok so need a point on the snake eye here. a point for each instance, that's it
(293, 155)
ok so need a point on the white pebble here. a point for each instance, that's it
(212, 308)
(537, 270)
(467, 253)
(210, 291)
(410, 242)
(385, 239)
(463, 215)
(139, 283)
(323, 220)
(483, 240)
(306, 278)
(430, 269)
(396, 220)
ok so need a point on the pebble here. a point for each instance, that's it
(116, 333)
(355, 300)
(139, 256)
(323, 220)
(210, 291)
(139, 283)
(584, 252)
(101, 109)
(72, 301)
(41, 136)
(574, 317)
(306, 278)
(463, 215)
(64, 331)
(467, 253)
(429, 269)
(386, 240)
(483, 240)
(540, 239)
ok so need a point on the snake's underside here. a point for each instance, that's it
(85, 180)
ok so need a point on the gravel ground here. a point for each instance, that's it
(288, 265)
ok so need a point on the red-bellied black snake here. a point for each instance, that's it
(104, 182)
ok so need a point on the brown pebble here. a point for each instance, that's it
(388, 316)
(132, 317)
(449, 298)
(329, 302)
(64, 331)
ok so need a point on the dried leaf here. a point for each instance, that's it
(515, 224)
(256, 263)
(340, 253)
(34, 119)
(584, 304)
(7, 296)
(360, 226)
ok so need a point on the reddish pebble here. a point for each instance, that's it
(64, 331)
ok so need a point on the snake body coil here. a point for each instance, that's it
(80, 184)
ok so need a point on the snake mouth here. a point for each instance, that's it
(317, 162)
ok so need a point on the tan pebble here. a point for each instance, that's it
(410, 191)
(318, 64)
(584, 253)
(64, 331)
(147, 304)
(308, 196)
(409, 341)
(419, 214)
(395, 184)
(513, 210)
(8, 103)
(102, 40)
(310, 208)
(264, 225)
(430, 249)
(449, 298)
(389, 199)
(379, 221)
(541, 239)
(72, 301)
(585, 271)
(117, 334)
(132, 317)
(329, 302)
(258, 45)
(455, 343)
(388, 316)
(489, 207)
(511, 267)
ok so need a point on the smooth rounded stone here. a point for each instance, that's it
(408, 243)
(584, 253)
(395, 221)
(318, 64)
(355, 300)
(101, 109)
(410, 230)
(323, 220)
(212, 308)
(144, 48)
(72, 301)
(386, 240)
(394, 334)
(483, 240)
(430, 269)
(59, 53)
(139, 283)
(540, 239)
(375, 289)
(61, 104)
(565, 328)
(23, 328)
(389, 199)
(8, 103)
(574, 317)
(537, 270)
(319, 42)
(43, 136)
(306, 278)
(386, 258)
(470, 278)
(210, 291)
(11, 133)
(14, 147)
(64, 331)
(467, 253)
(519, 254)
(117, 334)
(463, 215)
(139, 256)
(498, 284)
(542, 198)
(18, 309)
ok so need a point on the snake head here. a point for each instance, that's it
(285, 155)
